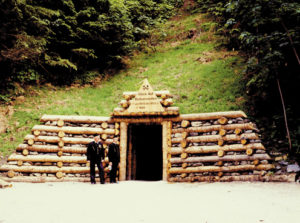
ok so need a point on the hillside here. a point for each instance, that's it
(181, 56)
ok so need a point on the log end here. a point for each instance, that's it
(10, 173)
(25, 152)
(221, 153)
(223, 120)
(60, 123)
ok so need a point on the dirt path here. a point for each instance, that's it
(151, 202)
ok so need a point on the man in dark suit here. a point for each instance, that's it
(95, 153)
(114, 159)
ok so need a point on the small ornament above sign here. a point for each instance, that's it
(145, 100)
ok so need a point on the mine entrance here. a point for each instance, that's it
(144, 152)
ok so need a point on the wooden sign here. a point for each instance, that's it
(145, 100)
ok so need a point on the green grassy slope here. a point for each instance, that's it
(201, 78)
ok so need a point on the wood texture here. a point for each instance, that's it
(271, 178)
(48, 158)
(51, 148)
(210, 128)
(226, 158)
(123, 150)
(73, 130)
(215, 138)
(44, 169)
(76, 119)
(213, 149)
(71, 140)
(202, 169)
(209, 116)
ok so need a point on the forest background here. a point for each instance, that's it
(64, 42)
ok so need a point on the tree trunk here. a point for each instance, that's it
(214, 149)
(201, 169)
(73, 130)
(215, 138)
(246, 126)
(227, 158)
(48, 158)
(76, 119)
(71, 140)
(209, 116)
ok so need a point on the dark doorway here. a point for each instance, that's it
(144, 155)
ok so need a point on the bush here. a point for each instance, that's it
(60, 41)
(268, 32)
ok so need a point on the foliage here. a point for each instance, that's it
(61, 40)
(269, 33)
(208, 86)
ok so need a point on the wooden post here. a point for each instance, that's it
(165, 135)
(123, 150)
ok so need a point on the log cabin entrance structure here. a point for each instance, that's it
(156, 143)
(144, 152)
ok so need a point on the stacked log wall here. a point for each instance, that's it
(222, 146)
(56, 149)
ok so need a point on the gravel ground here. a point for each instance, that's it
(138, 201)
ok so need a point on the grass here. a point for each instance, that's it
(201, 79)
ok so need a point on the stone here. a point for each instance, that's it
(193, 133)
(196, 124)
(27, 164)
(264, 162)
(283, 163)
(3, 124)
(177, 135)
(293, 168)
(20, 99)
(235, 174)
(12, 162)
(244, 162)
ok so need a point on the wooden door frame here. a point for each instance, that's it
(166, 140)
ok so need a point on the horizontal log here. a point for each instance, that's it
(73, 130)
(215, 138)
(44, 169)
(55, 139)
(209, 116)
(266, 178)
(167, 111)
(51, 148)
(214, 149)
(227, 158)
(41, 179)
(4, 184)
(76, 119)
(246, 126)
(201, 169)
(48, 158)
